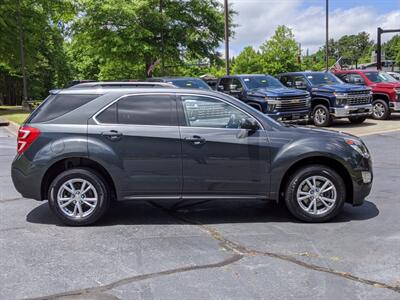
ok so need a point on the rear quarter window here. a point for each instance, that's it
(57, 105)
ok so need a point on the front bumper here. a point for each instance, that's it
(394, 106)
(290, 116)
(362, 184)
(352, 111)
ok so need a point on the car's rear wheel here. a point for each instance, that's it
(321, 116)
(79, 196)
(357, 120)
(380, 110)
(315, 193)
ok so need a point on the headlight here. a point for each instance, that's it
(358, 146)
(272, 104)
(340, 95)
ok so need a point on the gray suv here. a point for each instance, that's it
(85, 148)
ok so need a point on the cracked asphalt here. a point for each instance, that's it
(215, 250)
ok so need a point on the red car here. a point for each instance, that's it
(386, 90)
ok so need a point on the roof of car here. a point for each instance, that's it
(302, 73)
(357, 70)
(133, 90)
(119, 84)
(243, 75)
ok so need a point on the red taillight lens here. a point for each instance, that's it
(26, 136)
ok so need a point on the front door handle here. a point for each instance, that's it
(195, 140)
(112, 135)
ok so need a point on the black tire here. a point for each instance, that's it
(97, 182)
(380, 110)
(299, 177)
(321, 116)
(357, 120)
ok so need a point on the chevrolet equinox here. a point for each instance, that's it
(82, 149)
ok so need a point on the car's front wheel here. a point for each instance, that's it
(79, 196)
(315, 193)
(380, 110)
(321, 116)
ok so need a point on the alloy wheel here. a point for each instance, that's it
(320, 116)
(316, 195)
(77, 198)
(379, 110)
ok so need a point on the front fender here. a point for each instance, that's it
(290, 153)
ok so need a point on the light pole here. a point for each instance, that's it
(226, 12)
(326, 35)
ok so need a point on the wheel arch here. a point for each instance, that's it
(74, 162)
(319, 160)
(317, 101)
(381, 96)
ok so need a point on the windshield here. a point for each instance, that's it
(323, 79)
(190, 83)
(259, 82)
(379, 77)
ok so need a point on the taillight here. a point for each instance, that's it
(26, 136)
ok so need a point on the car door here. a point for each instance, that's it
(138, 137)
(219, 158)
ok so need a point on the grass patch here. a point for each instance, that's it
(13, 113)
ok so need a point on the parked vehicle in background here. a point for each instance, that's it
(82, 149)
(266, 94)
(330, 97)
(385, 89)
(120, 84)
(183, 82)
(395, 75)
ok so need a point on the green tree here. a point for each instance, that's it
(391, 47)
(280, 52)
(248, 62)
(117, 39)
(354, 47)
(32, 31)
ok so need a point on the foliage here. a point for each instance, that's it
(39, 24)
(280, 52)
(248, 62)
(119, 39)
(392, 48)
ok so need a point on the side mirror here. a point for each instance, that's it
(249, 124)
(220, 88)
(232, 87)
(300, 85)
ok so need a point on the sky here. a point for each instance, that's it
(258, 19)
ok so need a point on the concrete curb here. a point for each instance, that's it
(4, 122)
(13, 127)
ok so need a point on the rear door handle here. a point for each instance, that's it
(112, 135)
(195, 140)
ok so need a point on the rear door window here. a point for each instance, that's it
(57, 105)
(141, 110)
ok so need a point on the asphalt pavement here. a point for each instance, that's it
(217, 250)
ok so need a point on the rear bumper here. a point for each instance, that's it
(352, 111)
(394, 106)
(26, 181)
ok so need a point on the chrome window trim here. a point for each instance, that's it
(125, 96)
(94, 118)
(226, 102)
